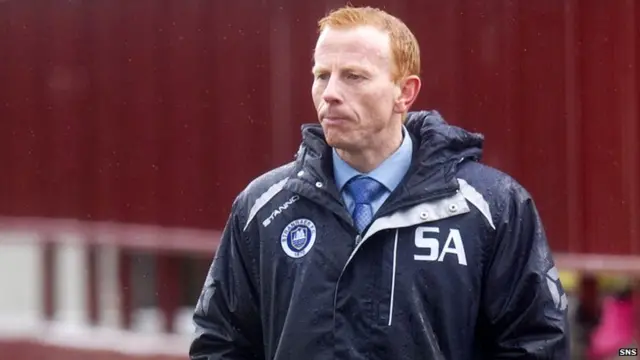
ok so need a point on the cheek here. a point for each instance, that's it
(377, 104)
(316, 95)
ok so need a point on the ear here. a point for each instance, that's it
(408, 90)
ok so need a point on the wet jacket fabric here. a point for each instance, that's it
(455, 264)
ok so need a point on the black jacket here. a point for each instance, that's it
(454, 266)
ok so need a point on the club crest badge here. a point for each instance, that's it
(298, 238)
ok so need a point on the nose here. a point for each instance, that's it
(331, 93)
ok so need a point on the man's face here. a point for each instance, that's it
(353, 91)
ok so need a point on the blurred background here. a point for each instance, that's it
(127, 127)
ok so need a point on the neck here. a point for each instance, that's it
(366, 160)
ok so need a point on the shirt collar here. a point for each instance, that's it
(389, 173)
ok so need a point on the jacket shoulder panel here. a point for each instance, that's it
(260, 191)
(490, 190)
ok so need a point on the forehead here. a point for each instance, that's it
(359, 44)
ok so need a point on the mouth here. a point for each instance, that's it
(334, 120)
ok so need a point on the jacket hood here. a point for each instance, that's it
(435, 141)
(439, 142)
(438, 149)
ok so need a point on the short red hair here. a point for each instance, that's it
(405, 50)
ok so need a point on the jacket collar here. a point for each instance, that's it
(438, 149)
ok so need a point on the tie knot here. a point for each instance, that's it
(364, 189)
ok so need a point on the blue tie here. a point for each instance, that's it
(364, 191)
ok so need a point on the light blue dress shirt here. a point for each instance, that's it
(389, 173)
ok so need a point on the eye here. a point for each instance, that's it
(321, 76)
(354, 76)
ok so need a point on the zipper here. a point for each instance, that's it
(393, 276)
(360, 240)
(306, 188)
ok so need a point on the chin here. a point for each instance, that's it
(335, 138)
(340, 141)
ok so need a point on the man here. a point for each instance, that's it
(385, 238)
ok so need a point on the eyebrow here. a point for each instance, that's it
(352, 68)
(317, 69)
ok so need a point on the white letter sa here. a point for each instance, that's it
(453, 245)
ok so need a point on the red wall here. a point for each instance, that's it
(161, 111)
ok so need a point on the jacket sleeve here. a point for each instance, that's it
(524, 304)
(226, 317)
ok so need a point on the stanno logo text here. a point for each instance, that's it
(279, 210)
